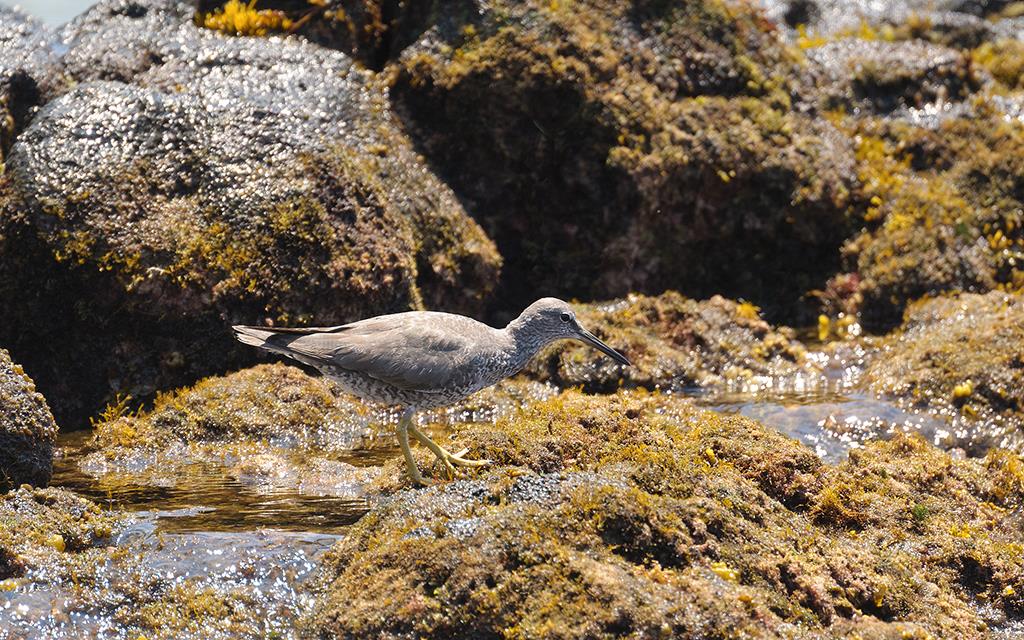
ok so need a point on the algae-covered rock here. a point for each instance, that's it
(943, 209)
(233, 417)
(27, 429)
(610, 147)
(37, 525)
(673, 342)
(961, 357)
(641, 515)
(206, 180)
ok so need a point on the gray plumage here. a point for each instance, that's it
(424, 359)
(420, 359)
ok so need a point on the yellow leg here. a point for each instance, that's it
(448, 459)
(404, 424)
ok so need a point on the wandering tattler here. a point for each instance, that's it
(425, 359)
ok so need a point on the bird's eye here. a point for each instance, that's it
(565, 317)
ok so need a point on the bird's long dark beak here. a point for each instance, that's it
(592, 340)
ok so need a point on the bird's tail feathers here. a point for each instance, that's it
(255, 336)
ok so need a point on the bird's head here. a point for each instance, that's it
(551, 319)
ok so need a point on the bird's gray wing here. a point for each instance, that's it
(397, 350)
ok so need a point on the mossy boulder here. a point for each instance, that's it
(673, 342)
(27, 429)
(641, 515)
(260, 404)
(961, 357)
(268, 184)
(610, 147)
(942, 209)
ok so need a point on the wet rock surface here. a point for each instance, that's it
(640, 514)
(882, 76)
(27, 429)
(28, 72)
(39, 525)
(71, 569)
(960, 357)
(207, 180)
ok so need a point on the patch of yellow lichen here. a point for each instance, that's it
(239, 18)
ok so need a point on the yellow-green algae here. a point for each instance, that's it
(961, 356)
(640, 514)
(638, 146)
(941, 209)
(672, 342)
(36, 525)
(252, 405)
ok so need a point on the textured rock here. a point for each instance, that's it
(207, 180)
(36, 525)
(27, 429)
(883, 76)
(27, 72)
(961, 357)
(943, 209)
(640, 515)
(673, 343)
(610, 147)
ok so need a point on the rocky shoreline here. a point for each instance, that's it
(708, 173)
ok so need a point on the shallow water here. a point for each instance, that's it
(266, 567)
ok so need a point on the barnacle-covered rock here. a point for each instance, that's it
(28, 72)
(638, 514)
(206, 180)
(27, 429)
(962, 357)
(883, 76)
(610, 147)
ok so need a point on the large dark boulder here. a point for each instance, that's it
(610, 147)
(192, 180)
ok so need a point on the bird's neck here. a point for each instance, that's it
(523, 343)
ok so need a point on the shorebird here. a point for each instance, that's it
(425, 359)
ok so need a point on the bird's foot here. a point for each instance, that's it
(447, 459)
(457, 459)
